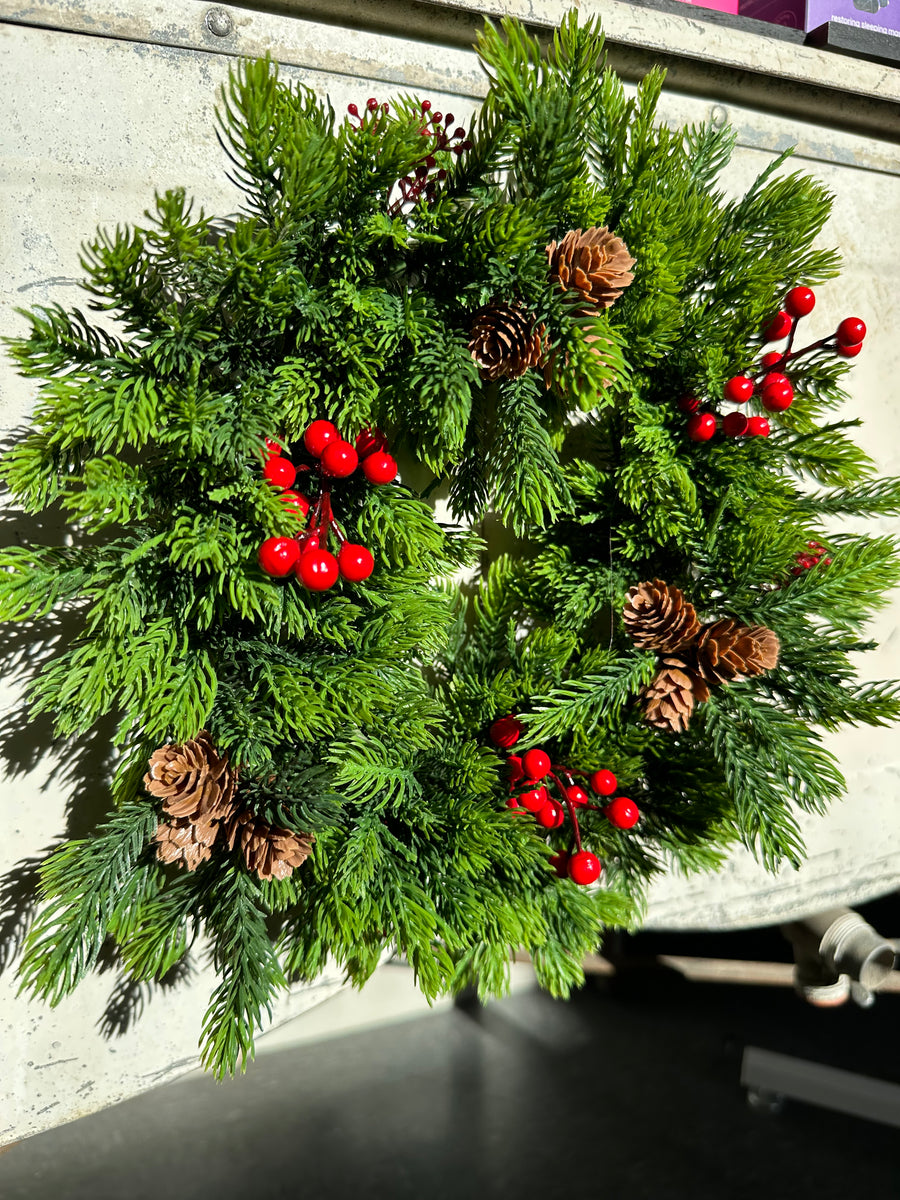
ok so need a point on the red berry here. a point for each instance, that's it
(273, 448)
(339, 459)
(849, 351)
(604, 783)
(851, 331)
(779, 327)
(738, 389)
(758, 427)
(622, 812)
(584, 867)
(355, 563)
(371, 104)
(352, 110)
(277, 555)
(577, 795)
(701, 427)
(370, 440)
(506, 731)
(688, 404)
(534, 799)
(770, 359)
(772, 378)
(735, 424)
(295, 502)
(514, 766)
(535, 763)
(379, 467)
(512, 802)
(280, 472)
(777, 397)
(317, 570)
(426, 105)
(560, 863)
(317, 437)
(800, 301)
(551, 816)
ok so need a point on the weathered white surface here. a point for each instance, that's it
(95, 120)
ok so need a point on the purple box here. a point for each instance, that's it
(810, 14)
(776, 12)
(868, 14)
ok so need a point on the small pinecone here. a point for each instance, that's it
(193, 781)
(505, 342)
(268, 850)
(184, 843)
(596, 264)
(727, 651)
(658, 617)
(669, 700)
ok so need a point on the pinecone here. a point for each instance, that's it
(504, 341)
(658, 617)
(184, 843)
(596, 264)
(669, 700)
(727, 651)
(268, 850)
(193, 781)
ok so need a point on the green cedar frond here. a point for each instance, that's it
(85, 885)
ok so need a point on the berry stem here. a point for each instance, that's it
(782, 362)
(791, 336)
(332, 521)
(573, 816)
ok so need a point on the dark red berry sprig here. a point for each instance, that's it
(770, 383)
(528, 773)
(814, 554)
(334, 458)
(432, 168)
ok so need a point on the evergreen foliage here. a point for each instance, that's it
(361, 714)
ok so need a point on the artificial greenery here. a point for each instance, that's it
(361, 714)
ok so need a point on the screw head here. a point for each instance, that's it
(219, 22)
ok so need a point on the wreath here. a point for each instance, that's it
(447, 548)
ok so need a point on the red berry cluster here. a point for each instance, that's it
(805, 561)
(776, 392)
(307, 554)
(529, 793)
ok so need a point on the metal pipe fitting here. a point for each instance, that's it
(836, 950)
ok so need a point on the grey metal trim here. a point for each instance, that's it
(715, 60)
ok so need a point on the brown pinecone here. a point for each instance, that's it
(192, 780)
(669, 699)
(268, 850)
(505, 342)
(596, 264)
(658, 617)
(184, 843)
(727, 651)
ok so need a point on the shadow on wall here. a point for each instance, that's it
(78, 768)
